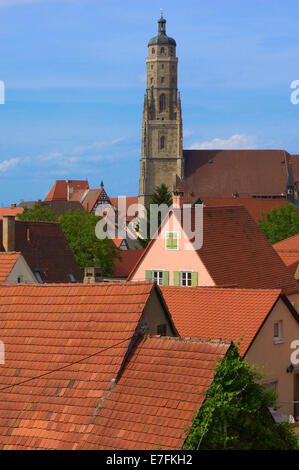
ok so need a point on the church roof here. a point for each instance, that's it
(222, 173)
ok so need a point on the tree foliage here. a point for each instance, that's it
(235, 412)
(280, 225)
(79, 230)
(160, 196)
(39, 213)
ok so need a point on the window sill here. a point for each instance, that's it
(278, 341)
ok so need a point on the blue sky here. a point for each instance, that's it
(74, 74)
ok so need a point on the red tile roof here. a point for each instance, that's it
(130, 200)
(126, 263)
(254, 206)
(288, 250)
(211, 312)
(45, 248)
(157, 395)
(221, 173)
(59, 190)
(11, 211)
(235, 251)
(7, 262)
(45, 328)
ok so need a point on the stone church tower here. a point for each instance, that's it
(162, 141)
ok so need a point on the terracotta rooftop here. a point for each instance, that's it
(211, 312)
(157, 395)
(45, 248)
(254, 206)
(221, 173)
(7, 262)
(59, 190)
(11, 211)
(45, 328)
(126, 263)
(288, 250)
(235, 251)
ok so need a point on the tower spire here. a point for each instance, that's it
(162, 25)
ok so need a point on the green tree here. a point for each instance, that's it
(160, 196)
(235, 412)
(79, 230)
(280, 225)
(39, 213)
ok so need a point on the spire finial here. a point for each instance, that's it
(161, 23)
(102, 184)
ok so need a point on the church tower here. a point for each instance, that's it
(162, 141)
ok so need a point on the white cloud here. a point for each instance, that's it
(6, 164)
(236, 141)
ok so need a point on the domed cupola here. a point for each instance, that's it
(162, 37)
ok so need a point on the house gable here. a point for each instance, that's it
(158, 258)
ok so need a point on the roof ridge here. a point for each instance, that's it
(211, 341)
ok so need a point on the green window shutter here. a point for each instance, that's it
(148, 275)
(165, 278)
(176, 278)
(194, 279)
(172, 241)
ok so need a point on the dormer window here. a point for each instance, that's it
(39, 276)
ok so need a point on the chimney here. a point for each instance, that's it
(8, 232)
(92, 275)
(13, 206)
(177, 198)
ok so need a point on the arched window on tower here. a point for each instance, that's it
(162, 142)
(162, 51)
(162, 102)
(153, 50)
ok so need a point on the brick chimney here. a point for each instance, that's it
(177, 198)
(8, 232)
(92, 275)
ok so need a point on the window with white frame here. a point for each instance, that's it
(157, 276)
(186, 278)
(172, 241)
(278, 332)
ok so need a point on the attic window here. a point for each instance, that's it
(72, 277)
(172, 241)
(39, 276)
(278, 332)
